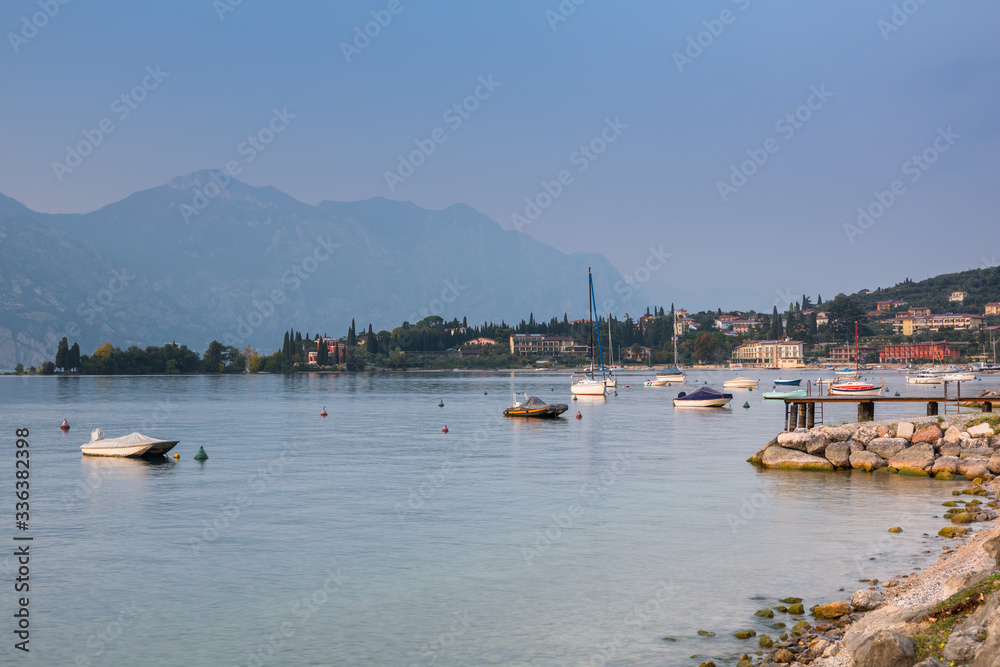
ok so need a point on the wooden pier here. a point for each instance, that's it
(801, 412)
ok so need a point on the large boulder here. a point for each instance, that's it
(950, 449)
(832, 610)
(866, 434)
(885, 648)
(981, 431)
(976, 452)
(794, 440)
(961, 647)
(887, 447)
(793, 459)
(904, 430)
(993, 465)
(914, 460)
(995, 442)
(929, 434)
(839, 454)
(867, 599)
(970, 466)
(866, 461)
(817, 444)
(946, 464)
(953, 434)
(838, 433)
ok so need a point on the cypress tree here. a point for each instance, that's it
(62, 354)
(74, 357)
(352, 338)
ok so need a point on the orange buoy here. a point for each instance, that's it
(445, 429)
(323, 412)
(578, 415)
(65, 425)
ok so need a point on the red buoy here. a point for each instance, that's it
(323, 412)
(65, 425)
(578, 415)
(445, 429)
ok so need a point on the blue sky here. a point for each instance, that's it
(887, 91)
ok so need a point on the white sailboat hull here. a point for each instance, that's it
(708, 403)
(673, 377)
(588, 387)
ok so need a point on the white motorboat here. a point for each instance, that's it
(924, 378)
(706, 397)
(740, 383)
(132, 445)
(959, 377)
(672, 374)
(585, 385)
(656, 383)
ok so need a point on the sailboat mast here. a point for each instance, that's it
(857, 351)
(590, 307)
(674, 325)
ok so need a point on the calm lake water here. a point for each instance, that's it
(372, 538)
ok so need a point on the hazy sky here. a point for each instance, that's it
(832, 100)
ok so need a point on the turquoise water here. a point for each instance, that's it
(372, 538)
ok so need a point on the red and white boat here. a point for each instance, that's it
(856, 387)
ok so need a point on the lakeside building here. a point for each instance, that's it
(919, 312)
(889, 305)
(845, 353)
(684, 324)
(908, 325)
(336, 349)
(523, 345)
(993, 308)
(822, 318)
(958, 297)
(637, 353)
(907, 352)
(770, 354)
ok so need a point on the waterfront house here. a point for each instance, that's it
(909, 352)
(770, 354)
(993, 308)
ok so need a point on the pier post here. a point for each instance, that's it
(866, 411)
(932, 408)
(802, 417)
(810, 415)
(793, 416)
(987, 406)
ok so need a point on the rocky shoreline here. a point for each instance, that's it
(946, 614)
(944, 448)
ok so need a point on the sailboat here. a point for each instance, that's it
(585, 384)
(609, 380)
(855, 387)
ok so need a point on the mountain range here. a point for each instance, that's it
(208, 257)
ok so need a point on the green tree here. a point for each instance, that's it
(62, 354)
(19, 369)
(352, 337)
(74, 357)
(371, 342)
(212, 360)
(704, 347)
(844, 313)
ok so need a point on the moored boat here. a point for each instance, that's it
(740, 383)
(534, 407)
(787, 383)
(133, 445)
(672, 374)
(924, 378)
(706, 397)
(586, 385)
(656, 383)
(855, 388)
(798, 393)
